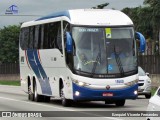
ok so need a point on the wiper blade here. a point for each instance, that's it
(95, 64)
(119, 63)
(98, 58)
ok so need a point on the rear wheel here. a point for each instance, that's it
(30, 94)
(37, 97)
(148, 96)
(120, 103)
(46, 98)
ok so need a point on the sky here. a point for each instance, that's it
(45, 7)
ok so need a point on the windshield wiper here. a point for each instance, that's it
(98, 58)
(119, 63)
(95, 64)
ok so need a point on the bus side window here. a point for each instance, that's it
(51, 35)
(46, 37)
(24, 40)
(65, 29)
(55, 38)
(41, 36)
(36, 37)
(31, 37)
(59, 38)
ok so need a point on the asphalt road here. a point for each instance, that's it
(14, 99)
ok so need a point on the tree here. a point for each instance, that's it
(9, 44)
(101, 6)
(141, 19)
(155, 7)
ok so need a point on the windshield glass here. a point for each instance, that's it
(141, 72)
(104, 51)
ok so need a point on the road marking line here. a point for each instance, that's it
(58, 108)
(11, 86)
(29, 102)
(112, 118)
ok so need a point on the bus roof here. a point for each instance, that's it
(99, 17)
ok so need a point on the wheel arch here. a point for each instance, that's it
(60, 85)
(29, 82)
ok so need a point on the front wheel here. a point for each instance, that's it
(148, 96)
(120, 103)
(65, 102)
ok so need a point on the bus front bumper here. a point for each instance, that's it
(88, 94)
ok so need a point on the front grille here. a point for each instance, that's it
(140, 84)
(140, 90)
(141, 80)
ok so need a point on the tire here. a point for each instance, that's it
(30, 94)
(120, 103)
(65, 102)
(148, 96)
(37, 97)
(46, 98)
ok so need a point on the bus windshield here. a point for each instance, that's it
(104, 51)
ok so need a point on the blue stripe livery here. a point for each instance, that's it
(39, 71)
(54, 15)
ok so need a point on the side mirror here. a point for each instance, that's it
(142, 42)
(69, 43)
(147, 74)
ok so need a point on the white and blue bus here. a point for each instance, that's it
(73, 55)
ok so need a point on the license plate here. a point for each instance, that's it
(108, 94)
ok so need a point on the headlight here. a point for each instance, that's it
(135, 92)
(149, 81)
(79, 83)
(132, 82)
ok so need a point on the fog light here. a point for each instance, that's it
(77, 93)
(81, 83)
(135, 92)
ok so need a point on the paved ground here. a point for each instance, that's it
(14, 99)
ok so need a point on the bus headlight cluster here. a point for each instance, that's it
(77, 93)
(135, 92)
(132, 82)
(79, 83)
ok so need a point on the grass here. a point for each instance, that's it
(153, 90)
(6, 82)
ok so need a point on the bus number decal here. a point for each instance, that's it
(119, 81)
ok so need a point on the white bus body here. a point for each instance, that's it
(48, 70)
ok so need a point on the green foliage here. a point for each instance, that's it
(141, 19)
(101, 6)
(9, 44)
(7, 82)
(146, 19)
(155, 13)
